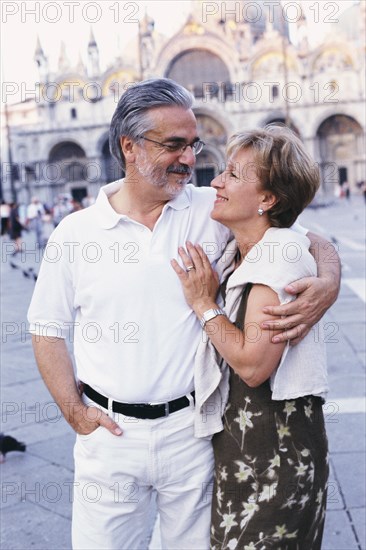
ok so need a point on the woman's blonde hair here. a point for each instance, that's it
(283, 167)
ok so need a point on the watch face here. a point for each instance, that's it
(210, 314)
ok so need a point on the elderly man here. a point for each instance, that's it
(134, 335)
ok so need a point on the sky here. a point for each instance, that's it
(114, 24)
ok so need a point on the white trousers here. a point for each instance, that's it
(115, 477)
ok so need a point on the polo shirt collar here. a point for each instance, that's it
(179, 202)
(109, 218)
(106, 215)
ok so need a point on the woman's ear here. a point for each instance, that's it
(268, 201)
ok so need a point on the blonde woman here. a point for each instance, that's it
(271, 465)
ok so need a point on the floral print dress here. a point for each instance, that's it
(271, 471)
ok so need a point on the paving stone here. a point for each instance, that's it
(335, 500)
(346, 432)
(27, 526)
(348, 311)
(362, 358)
(355, 384)
(358, 516)
(350, 472)
(355, 333)
(34, 406)
(15, 372)
(57, 451)
(343, 359)
(40, 431)
(338, 533)
(10, 478)
(49, 487)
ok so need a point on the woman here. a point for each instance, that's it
(15, 228)
(271, 458)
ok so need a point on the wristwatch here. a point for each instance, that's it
(210, 314)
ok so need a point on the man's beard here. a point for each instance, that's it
(159, 176)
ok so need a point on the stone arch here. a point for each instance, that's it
(272, 62)
(207, 41)
(196, 67)
(69, 88)
(340, 145)
(115, 82)
(332, 57)
(211, 160)
(67, 162)
(111, 171)
(281, 119)
(65, 150)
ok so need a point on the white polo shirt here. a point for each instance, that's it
(106, 281)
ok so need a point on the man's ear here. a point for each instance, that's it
(128, 148)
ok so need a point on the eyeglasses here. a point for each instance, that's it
(174, 147)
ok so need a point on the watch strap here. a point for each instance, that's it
(210, 314)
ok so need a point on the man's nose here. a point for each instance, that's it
(187, 156)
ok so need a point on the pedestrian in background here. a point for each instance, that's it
(61, 209)
(35, 213)
(346, 191)
(5, 215)
(15, 227)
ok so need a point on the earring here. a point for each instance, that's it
(260, 211)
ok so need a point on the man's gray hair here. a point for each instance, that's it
(131, 117)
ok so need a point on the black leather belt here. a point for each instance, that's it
(139, 410)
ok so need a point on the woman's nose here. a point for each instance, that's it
(218, 181)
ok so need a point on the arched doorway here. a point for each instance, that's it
(210, 162)
(68, 168)
(200, 71)
(65, 151)
(282, 122)
(341, 152)
(110, 168)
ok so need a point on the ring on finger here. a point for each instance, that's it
(189, 268)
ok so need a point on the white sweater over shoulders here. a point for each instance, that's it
(279, 258)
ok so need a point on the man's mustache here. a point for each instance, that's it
(180, 169)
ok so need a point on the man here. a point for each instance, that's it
(35, 213)
(134, 335)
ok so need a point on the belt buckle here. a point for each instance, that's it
(166, 409)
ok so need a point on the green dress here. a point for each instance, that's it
(271, 470)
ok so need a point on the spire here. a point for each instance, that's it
(93, 56)
(147, 24)
(63, 61)
(80, 67)
(92, 41)
(39, 49)
(269, 25)
(302, 32)
(146, 43)
(41, 61)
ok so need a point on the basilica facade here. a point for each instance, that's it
(243, 71)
